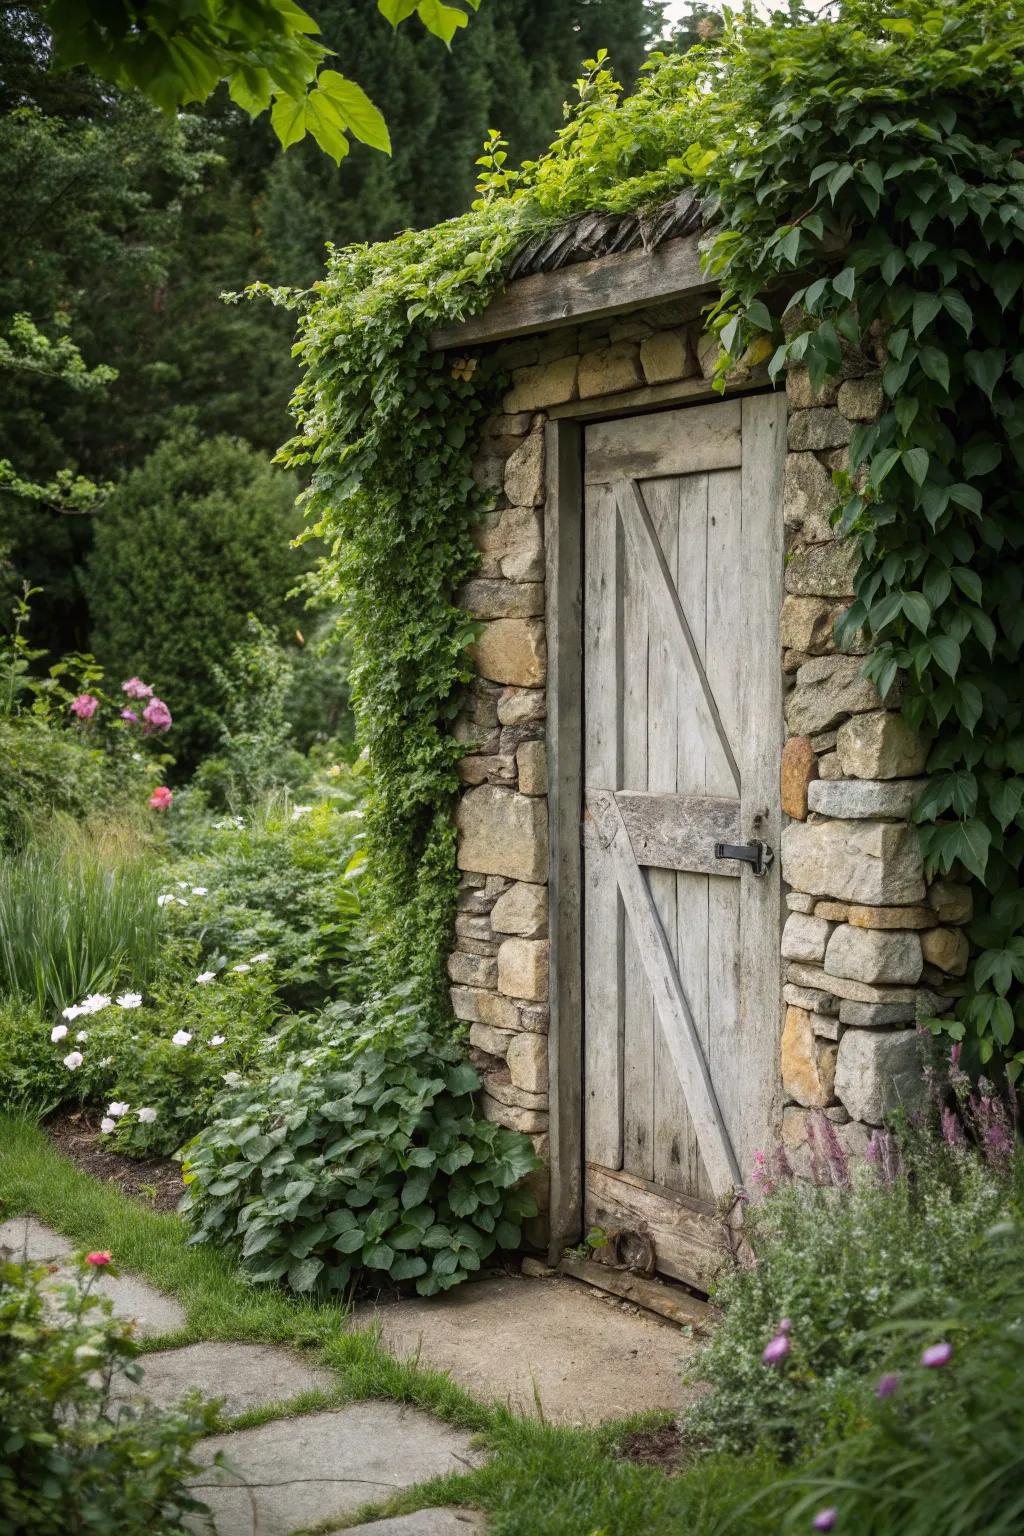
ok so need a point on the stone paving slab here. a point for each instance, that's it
(152, 1312)
(300, 1471)
(245, 1375)
(425, 1522)
(587, 1358)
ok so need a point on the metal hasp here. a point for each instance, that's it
(758, 855)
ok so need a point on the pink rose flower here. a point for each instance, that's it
(157, 716)
(135, 688)
(128, 714)
(85, 706)
(937, 1354)
(98, 1259)
(160, 799)
(777, 1350)
(888, 1384)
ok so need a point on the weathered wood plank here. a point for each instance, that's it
(691, 1242)
(664, 600)
(666, 1300)
(670, 1001)
(603, 924)
(764, 451)
(564, 599)
(650, 397)
(686, 442)
(608, 285)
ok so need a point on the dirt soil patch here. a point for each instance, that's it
(153, 1181)
(661, 1447)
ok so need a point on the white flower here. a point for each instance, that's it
(147, 1116)
(83, 1034)
(130, 1000)
(205, 977)
(217, 1039)
(73, 1059)
(300, 810)
(242, 967)
(162, 901)
(200, 890)
(117, 1109)
(70, 1013)
(58, 1032)
(182, 1037)
(107, 1125)
(259, 959)
(183, 885)
(94, 1003)
(232, 1079)
(180, 902)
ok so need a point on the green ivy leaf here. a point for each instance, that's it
(985, 368)
(915, 462)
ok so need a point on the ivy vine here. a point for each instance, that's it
(863, 176)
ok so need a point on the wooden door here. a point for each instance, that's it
(681, 743)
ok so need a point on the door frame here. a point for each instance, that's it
(563, 539)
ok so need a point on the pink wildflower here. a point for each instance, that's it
(888, 1384)
(135, 688)
(777, 1350)
(128, 714)
(937, 1354)
(160, 799)
(85, 706)
(157, 716)
(825, 1519)
(98, 1259)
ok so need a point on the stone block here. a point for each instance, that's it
(512, 1118)
(827, 689)
(825, 1025)
(503, 833)
(477, 1006)
(522, 910)
(861, 399)
(519, 706)
(874, 1015)
(823, 570)
(808, 1063)
(478, 946)
(665, 355)
(501, 1085)
(878, 1072)
(856, 799)
(489, 598)
(528, 1062)
(806, 624)
(534, 1017)
(829, 766)
(880, 745)
(524, 472)
(867, 862)
(810, 999)
(799, 767)
(486, 1038)
(805, 938)
(514, 538)
(523, 969)
(820, 427)
(952, 903)
(947, 949)
(471, 925)
(808, 497)
(796, 901)
(532, 763)
(875, 955)
(511, 651)
(847, 988)
(824, 741)
(887, 917)
(610, 370)
(545, 384)
(800, 396)
(472, 970)
(487, 768)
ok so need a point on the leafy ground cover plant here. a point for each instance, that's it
(361, 1153)
(805, 1326)
(70, 1458)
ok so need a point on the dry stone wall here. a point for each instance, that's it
(867, 946)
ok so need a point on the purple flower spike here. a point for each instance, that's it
(825, 1519)
(937, 1354)
(778, 1349)
(888, 1384)
(784, 1325)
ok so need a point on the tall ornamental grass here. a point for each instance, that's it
(76, 917)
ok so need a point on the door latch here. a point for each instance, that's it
(758, 855)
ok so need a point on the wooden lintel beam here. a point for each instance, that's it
(589, 290)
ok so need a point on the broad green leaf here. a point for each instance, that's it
(845, 283)
(968, 581)
(916, 608)
(958, 308)
(1005, 801)
(985, 368)
(250, 89)
(302, 1276)
(946, 652)
(288, 119)
(982, 458)
(357, 111)
(969, 841)
(442, 20)
(396, 11)
(926, 307)
(915, 462)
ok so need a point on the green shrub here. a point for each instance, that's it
(32, 1076)
(73, 923)
(70, 1458)
(362, 1153)
(286, 880)
(837, 1262)
(192, 542)
(46, 769)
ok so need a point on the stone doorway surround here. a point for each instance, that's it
(867, 946)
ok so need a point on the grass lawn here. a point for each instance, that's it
(540, 1479)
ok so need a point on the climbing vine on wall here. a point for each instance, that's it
(864, 177)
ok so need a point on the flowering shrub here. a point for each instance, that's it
(70, 1458)
(834, 1263)
(362, 1153)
